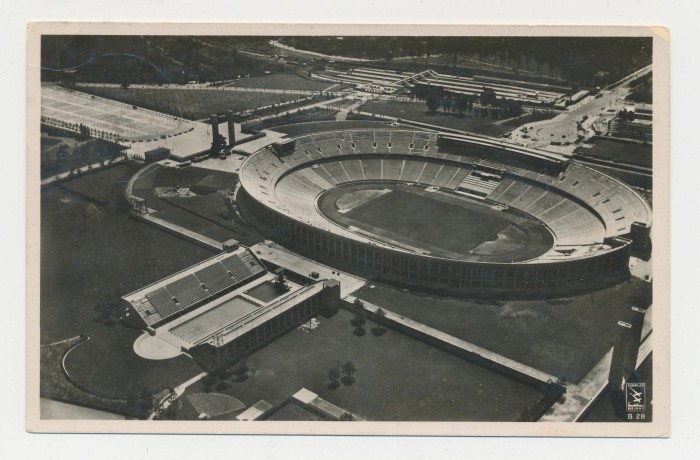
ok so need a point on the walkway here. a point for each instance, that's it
(343, 113)
(319, 55)
(272, 252)
(190, 235)
(468, 350)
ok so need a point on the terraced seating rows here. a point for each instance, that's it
(406, 156)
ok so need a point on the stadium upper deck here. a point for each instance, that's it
(580, 206)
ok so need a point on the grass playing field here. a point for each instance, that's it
(619, 151)
(438, 224)
(191, 103)
(282, 81)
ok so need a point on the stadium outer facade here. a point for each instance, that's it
(598, 222)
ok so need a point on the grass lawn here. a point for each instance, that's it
(88, 260)
(193, 104)
(54, 383)
(282, 81)
(619, 151)
(397, 378)
(294, 130)
(532, 117)
(312, 115)
(344, 103)
(206, 214)
(417, 111)
(75, 154)
(563, 338)
(103, 183)
(293, 413)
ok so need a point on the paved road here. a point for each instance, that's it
(563, 127)
(319, 55)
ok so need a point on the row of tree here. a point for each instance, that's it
(360, 318)
(347, 377)
(487, 103)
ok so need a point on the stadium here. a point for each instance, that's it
(453, 213)
(283, 232)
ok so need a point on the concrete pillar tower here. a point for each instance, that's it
(231, 128)
(214, 119)
(637, 322)
(617, 376)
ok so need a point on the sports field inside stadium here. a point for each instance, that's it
(435, 223)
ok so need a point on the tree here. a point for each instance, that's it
(217, 145)
(379, 316)
(349, 370)
(241, 369)
(446, 103)
(461, 104)
(140, 404)
(334, 377)
(488, 97)
(173, 412)
(359, 319)
(346, 417)
(433, 102)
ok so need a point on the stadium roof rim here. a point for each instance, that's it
(253, 170)
(540, 154)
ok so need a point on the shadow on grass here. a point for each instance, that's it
(359, 331)
(378, 331)
(348, 380)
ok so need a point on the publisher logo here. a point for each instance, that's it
(636, 397)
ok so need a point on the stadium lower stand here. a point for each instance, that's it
(589, 214)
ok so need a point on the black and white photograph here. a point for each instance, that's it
(302, 230)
